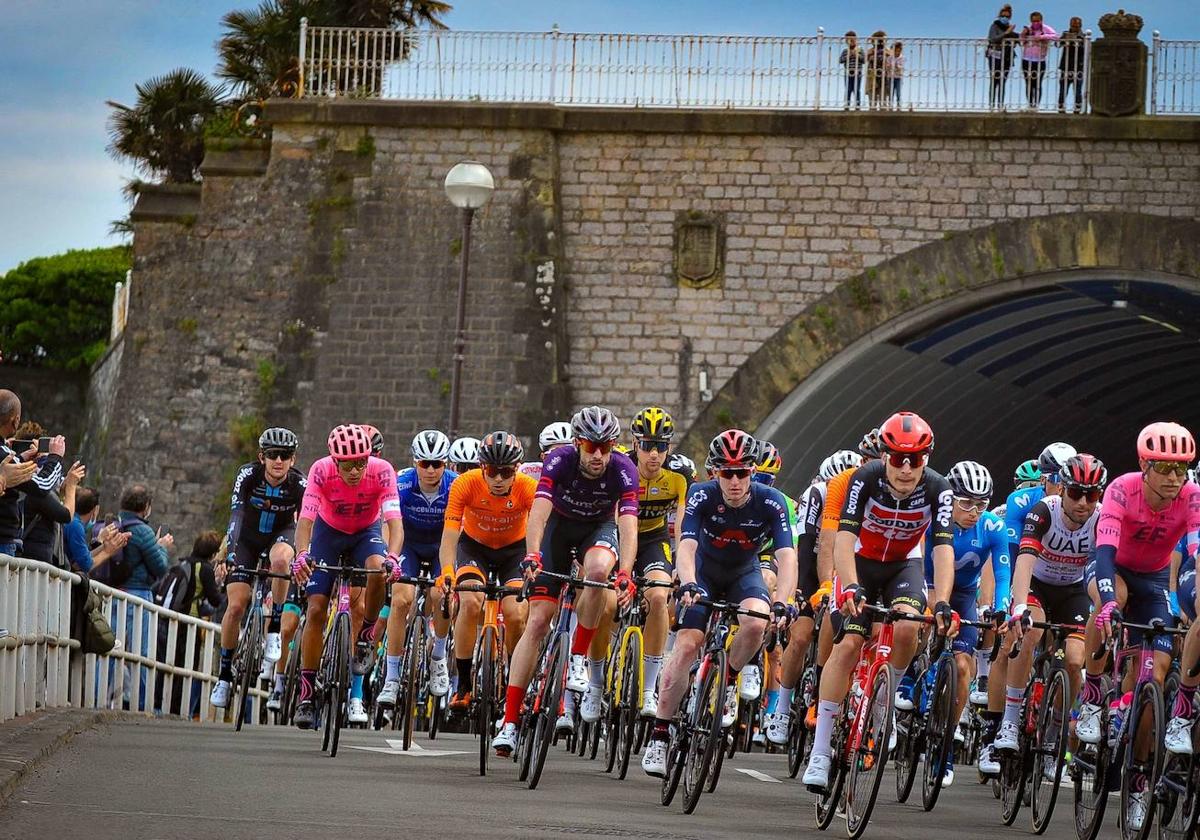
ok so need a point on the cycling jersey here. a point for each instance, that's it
(731, 536)
(808, 529)
(1002, 512)
(350, 509)
(657, 497)
(493, 521)
(422, 514)
(887, 528)
(1135, 538)
(1060, 552)
(260, 511)
(835, 499)
(579, 497)
(1016, 506)
(533, 469)
(984, 541)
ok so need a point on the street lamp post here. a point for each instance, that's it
(469, 186)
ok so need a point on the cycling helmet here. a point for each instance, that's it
(278, 438)
(838, 463)
(1027, 472)
(623, 449)
(1191, 475)
(596, 424)
(376, 437)
(349, 443)
(970, 479)
(769, 460)
(683, 465)
(905, 432)
(652, 423)
(432, 445)
(868, 447)
(464, 450)
(1053, 457)
(1165, 442)
(556, 434)
(732, 448)
(1084, 470)
(501, 449)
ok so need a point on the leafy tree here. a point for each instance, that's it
(163, 133)
(57, 309)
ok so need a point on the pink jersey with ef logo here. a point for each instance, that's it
(350, 509)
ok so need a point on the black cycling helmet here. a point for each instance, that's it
(596, 424)
(501, 449)
(278, 438)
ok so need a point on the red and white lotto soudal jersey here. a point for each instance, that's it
(890, 529)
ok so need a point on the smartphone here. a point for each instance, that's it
(43, 444)
(20, 446)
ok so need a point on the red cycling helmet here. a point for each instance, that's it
(1084, 470)
(1166, 442)
(905, 432)
(733, 448)
(349, 443)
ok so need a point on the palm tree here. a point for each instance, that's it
(163, 133)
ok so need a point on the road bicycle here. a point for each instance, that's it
(1178, 790)
(248, 655)
(804, 697)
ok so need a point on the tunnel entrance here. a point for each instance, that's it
(1088, 361)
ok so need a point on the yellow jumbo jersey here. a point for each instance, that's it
(657, 497)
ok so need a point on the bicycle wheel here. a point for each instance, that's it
(827, 802)
(1147, 715)
(339, 688)
(592, 745)
(704, 730)
(291, 680)
(1049, 749)
(797, 730)
(1089, 770)
(484, 695)
(870, 754)
(908, 752)
(1012, 782)
(630, 703)
(546, 710)
(941, 722)
(251, 645)
(714, 767)
(1179, 797)
(676, 758)
(414, 657)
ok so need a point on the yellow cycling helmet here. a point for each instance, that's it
(769, 461)
(623, 449)
(653, 423)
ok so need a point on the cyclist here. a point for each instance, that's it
(1026, 475)
(724, 524)
(586, 497)
(1048, 584)
(347, 493)
(266, 495)
(464, 454)
(889, 506)
(424, 489)
(1179, 728)
(660, 493)
(485, 532)
(556, 434)
(376, 437)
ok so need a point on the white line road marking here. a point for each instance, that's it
(762, 777)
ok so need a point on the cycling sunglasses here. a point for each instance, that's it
(1168, 467)
(1077, 492)
(278, 454)
(968, 504)
(463, 468)
(353, 466)
(431, 465)
(653, 445)
(492, 471)
(591, 447)
(913, 459)
(734, 473)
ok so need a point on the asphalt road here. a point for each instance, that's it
(134, 779)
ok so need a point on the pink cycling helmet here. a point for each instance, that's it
(1166, 442)
(349, 443)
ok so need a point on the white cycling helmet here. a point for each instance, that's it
(465, 450)
(838, 463)
(556, 434)
(1053, 457)
(970, 479)
(430, 445)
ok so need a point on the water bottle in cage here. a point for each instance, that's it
(1116, 716)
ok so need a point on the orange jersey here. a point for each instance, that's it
(835, 498)
(494, 521)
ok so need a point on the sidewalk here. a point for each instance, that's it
(26, 741)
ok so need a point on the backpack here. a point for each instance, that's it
(118, 568)
(98, 635)
(173, 590)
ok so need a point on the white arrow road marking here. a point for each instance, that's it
(396, 747)
(762, 777)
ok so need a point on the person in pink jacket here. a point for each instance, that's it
(1036, 39)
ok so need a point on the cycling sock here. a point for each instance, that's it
(772, 701)
(569, 703)
(661, 730)
(582, 640)
(307, 678)
(826, 712)
(356, 687)
(651, 665)
(439, 647)
(514, 696)
(367, 633)
(1183, 701)
(463, 666)
(273, 621)
(393, 667)
(983, 664)
(596, 667)
(226, 664)
(670, 646)
(279, 682)
(1013, 695)
(1092, 693)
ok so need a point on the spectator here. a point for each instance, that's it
(852, 59)
(86, 546)
(1035, 46)
(893, 64)
(1001, 38)
(22, 474)
(45, 517)
(1070, 64)
(878, 83)
(201, 596)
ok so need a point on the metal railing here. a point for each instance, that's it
(683, 71)
(1174, 76)
(41, 666)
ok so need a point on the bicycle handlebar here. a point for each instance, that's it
(489, 589)
(1056, 629)
(729, 608)
(267, 573)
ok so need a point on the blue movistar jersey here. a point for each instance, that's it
(732, 536)
(422, 516)
(973, 547)
(1019, 503)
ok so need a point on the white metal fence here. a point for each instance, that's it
(41, 666)
(1174, 76)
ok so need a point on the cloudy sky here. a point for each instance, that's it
(63, 58)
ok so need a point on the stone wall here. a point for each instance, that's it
(53, 398)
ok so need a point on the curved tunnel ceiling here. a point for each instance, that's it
(1089, 362)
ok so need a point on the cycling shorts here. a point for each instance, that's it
(654, 554)
(253, 550)
(768, 564)
(417, 559)
(962, 601)
(807, 584)
(565, 540)
(1187, 593)
(720, 584)
(1063, 603)
(893, 584)
(295, 599)
(331, 547)
(1148, 600)
(475, 560)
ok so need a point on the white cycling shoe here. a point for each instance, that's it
(439, 678)
(654, 759)
(506, 741)
(578, 678)
(649, 703)
(356, 711)
(220, 694)
(776, 724)
(1087, 726)
(816, 775)
(591, 706)
(988, 765)
(1179, 736)
(274, 648)
(750, 685)
(1135, 815)
(1006, 736)
(388, 694)
(729, 715)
